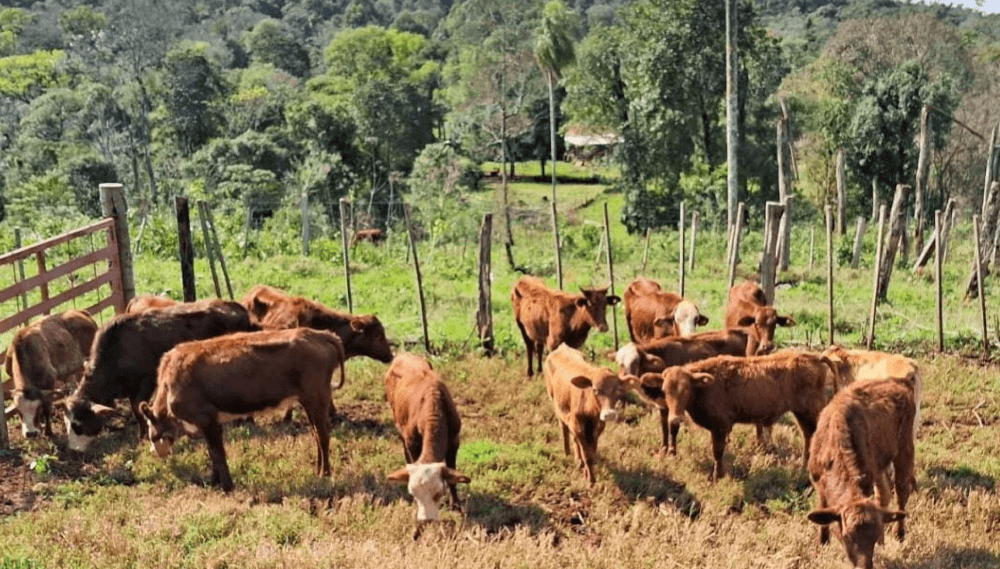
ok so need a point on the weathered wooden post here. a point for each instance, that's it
(555, 233)
(769, 261)
(734, 253)
(938, 285)
(484, 316)
(920, 183)
(785, 233)
(20, 268)
(841, 192)
(344, 208)
(420, 281)
(209, 249)
(947, 222)
(859, 237)
(186, 247)
(113, 205)
(829, 267)
(784, 185)
(680, 251)
(989, 224)
(875, 286)
(611, 274)
(218, 247)
(897, 222)
(979, 281)
(645, 250)
(695, 218)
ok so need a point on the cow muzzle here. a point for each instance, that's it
(161, 448)
(609, 415)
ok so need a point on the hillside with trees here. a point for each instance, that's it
(255, 104)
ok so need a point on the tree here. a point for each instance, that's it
(194, 82)
(268, 42)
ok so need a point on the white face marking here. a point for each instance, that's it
(427, 488)
(609, 415)
(28, 408)
(686, 315)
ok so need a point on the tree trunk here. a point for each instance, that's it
(552, 139)
(732, 116)
(897, 225)
(920, 185)
(784, 188)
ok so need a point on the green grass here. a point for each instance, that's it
(527, 504)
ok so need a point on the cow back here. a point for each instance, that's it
(422, 404)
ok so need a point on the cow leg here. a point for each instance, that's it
(451, 460)
(905, 482)
(217, 454)
(318, 413)
(719, 437)
(823, 535)
(807, 423)
(143, 431)
(413, 446)
(588, 450)
(529, 345)
(539, 352)
(47, 416)
(669, 433)
(764, 435)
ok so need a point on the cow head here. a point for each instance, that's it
(762, 324)
(84, 421)
(593, 306)
(163, 431)
(679, 387)
(682, 322)
(427, 484)
(31, 406)
(859, 526)
(369, 339)
(609, 390)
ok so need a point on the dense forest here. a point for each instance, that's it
(253, 104)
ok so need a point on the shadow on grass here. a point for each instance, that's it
(946, 556)
(961, 478)
(783, 487)
(495, 514)
(645, 484)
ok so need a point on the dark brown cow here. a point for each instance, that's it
(865, 429)
(748, 308)
(651, 312)
(549, 317)
(126, 352)
(585, 398)
(374, 236)
(657, 355)
(721, 391)
(42, 357)
(429, 425)
(207, 382)
(145, 302)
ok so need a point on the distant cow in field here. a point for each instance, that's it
(748, 308)
(549, 317)
(853, 365)
(207, 382)
(585, 398)
(865, 429)
(145, 302)
(43, 357)
(657, 355)
(429, 425)
(652, 313)
(374, 236)
(722, 391)
(127, 351)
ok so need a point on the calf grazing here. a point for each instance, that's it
(724, 390)
(866, 364)
(429, 425)
(374, 236)
(652, 313)
(145, 302)
(748, 308)
(657, 355)
(865, 429)
(584, 398)
(549, 317)
(127, 351)
(42, 357)
(207, 382)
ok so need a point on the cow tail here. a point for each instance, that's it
(836, 374)
(343, 363)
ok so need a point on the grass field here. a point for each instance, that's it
(527, 505)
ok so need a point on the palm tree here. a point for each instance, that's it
(554, 51)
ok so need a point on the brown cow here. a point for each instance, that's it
(145, 302)
(657, 355)
(865, 429)
(42, 357)
(855, 365)
(374, 236)
(724, 390)
(549, 317)
(748, 308)
(584, 398)
(259, 299)
(203, 383)
(429, 425)
(652, 313)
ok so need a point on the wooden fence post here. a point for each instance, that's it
(645, 250)
(209, 249)
(218, 247)
(344, 207)
(695, 218)
(555, 235)
(875, 286)
(979, 282)
(772, 237)
(20, 267)
(734, 252)
(113, 205)
(784, 234)
(829, 267)
(938, 286)
(859, 236)
(611, 274)
(186, 247)
(920, 182)
(897, 225)
(420, 281)
(484, 316)
(841, 192)
(680, 252)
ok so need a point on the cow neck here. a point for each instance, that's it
(434, 428)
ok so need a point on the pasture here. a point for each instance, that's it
(527, 505)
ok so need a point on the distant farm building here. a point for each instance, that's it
(582, 146)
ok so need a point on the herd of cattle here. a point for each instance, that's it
(186, 368)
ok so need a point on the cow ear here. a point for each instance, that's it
(99, 409)
(663, 322)
(651, 380)
(746, 321)
(401, 475)
(889, 516)
(786, 321)
(702, 320)
(453, 476)
(582, 302)
(702, 378)
(357, 325)
(614, 299)
(582, 382)
(824, 517)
